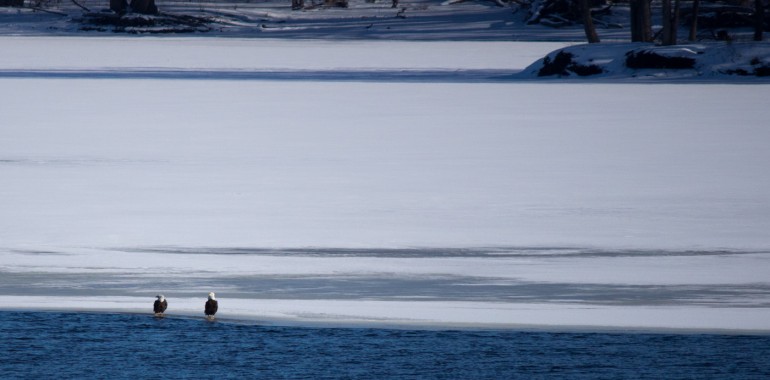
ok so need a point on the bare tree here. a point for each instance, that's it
(119, 6)
(670, 22)
(144, 6)
(588, 23)
(694, 22)
(675, 22)
(666, 21)
(641, 24)
(759, 19)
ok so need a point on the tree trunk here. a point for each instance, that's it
(146, 7)
(11, 3)
(588, 22)
(646, 20)
(633, 7)
(759, 17)
(118, 6)
(666, 21)
(694, 23)
(641, 26)
(675, 22)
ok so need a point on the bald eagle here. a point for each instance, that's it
(160, 304)
(211, 306)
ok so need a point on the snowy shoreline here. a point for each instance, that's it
(524, 317)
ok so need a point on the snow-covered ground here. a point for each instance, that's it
(433, 20)
(379, 183)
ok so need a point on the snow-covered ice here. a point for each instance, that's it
(437, 202)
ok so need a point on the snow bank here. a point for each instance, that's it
(733, 61)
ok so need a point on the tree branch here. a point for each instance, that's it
(48, 11)
(81, 7)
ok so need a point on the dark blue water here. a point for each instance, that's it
(86, 345)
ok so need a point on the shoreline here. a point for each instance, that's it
(523, 317)
(395, 325)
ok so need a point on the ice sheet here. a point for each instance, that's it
(556, 204)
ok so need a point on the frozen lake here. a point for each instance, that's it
(397, 195)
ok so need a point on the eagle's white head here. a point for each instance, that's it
(160, 297)
(212, 296)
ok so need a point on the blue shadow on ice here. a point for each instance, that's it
(428, 76)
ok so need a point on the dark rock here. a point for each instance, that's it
(650, 59)
(557, 66)
(585, 70)
(759, 69)
(563, 65)
(762, 71)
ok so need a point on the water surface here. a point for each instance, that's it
(94, 345)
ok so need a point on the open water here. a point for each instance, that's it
(91, 345)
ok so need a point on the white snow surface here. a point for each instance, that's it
(304, 196)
